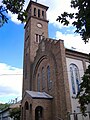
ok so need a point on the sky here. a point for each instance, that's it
(12, 46)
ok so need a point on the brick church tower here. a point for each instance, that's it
(36, 27)
(51, 73)
(45, 92)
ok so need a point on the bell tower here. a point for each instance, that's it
(36, 26)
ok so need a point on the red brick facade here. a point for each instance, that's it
(45, 70)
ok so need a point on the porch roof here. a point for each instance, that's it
(39, 95)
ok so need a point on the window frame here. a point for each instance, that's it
(34, 11)
(43, 79)
(39, 13)
(36, 38)
(43, 14)
(38, 82)
(49, 78)
(75, 78)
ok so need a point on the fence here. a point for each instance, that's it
(78, 116)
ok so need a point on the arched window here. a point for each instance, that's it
(38, 83)
(75, 78)
(39, 13)
(34, 11)
(72, 80)
(26, 105)
(43, 14)
(43, 80)
(48, 77)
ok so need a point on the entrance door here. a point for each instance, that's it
(39, 113)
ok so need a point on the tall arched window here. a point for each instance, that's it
(72, 80)
(48, 77)
(26, 105)
(39, 13)
(38, 83)
(43, 79)
(34, 11)
(75, 78)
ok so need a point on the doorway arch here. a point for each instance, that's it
(39, 113)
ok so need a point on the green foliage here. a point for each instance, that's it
(15, 7)
(3, 18)
(81, 18)
(15, 113)
(84, 93)
(3, 106)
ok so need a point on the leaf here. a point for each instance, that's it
(81, 18)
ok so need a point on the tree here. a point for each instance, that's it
(84, 93)
(15, 7)
(81, 18)
(3, 106)
(15, 113)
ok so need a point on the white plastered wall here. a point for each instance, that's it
(79, 64)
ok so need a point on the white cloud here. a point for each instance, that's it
(13, 18)
(56, 7)
(10, 81)
(26, 3)
(0, 2)
(75, 41)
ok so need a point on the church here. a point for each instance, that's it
(51, 72)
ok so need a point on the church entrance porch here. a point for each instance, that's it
(36, 106)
